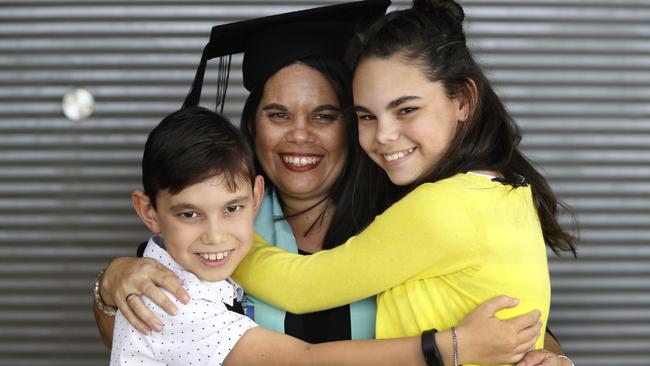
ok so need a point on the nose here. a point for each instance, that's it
(301, 132)
(387, 131)
(213, 233)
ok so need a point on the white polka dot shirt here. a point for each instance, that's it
(202, 332)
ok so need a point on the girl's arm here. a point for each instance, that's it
(426, 230)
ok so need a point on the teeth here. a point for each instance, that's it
(301, 161)
(398, 155)
(214, 256)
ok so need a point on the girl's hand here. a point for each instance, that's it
(542, 357)
(486, 339)
(140, 276)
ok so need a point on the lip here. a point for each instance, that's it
(396, 159)
(215, 263)
(310, 161)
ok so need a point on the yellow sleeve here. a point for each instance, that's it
(427, 229)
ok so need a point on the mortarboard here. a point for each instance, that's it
(273, 42)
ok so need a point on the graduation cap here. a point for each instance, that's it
(273, 42)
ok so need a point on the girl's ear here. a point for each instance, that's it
(467, 101)
(143, 207)
(258, 192)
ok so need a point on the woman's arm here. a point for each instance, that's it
(127, 275)
(105, 325)
(426, 230)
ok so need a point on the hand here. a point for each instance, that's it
(486, 339)
(542, 357)
(141, 276)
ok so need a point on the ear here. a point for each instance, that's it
(467, 101)
(258, 192)
(143, 207)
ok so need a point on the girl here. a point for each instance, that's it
(471, 216)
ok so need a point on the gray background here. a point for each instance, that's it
(575, 74)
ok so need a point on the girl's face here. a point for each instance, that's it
(300, 133)
(406, 122)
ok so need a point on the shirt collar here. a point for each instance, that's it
(225, 291)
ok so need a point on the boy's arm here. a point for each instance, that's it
(260, 346)
(482, 338)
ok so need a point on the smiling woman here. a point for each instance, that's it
(300, 136)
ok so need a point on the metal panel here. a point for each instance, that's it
(576, 75)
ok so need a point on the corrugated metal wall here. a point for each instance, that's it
(576, 74)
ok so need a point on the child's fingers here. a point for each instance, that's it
(528, 338)
(525, 321)
(498, 303)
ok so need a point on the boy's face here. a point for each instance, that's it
(207, 228)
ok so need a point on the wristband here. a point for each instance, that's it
(106, 309)
(430, 348)
(566, 358)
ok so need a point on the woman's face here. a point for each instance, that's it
(300, 133)
(406, 122)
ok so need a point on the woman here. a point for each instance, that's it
(473, 214)
(286, 126)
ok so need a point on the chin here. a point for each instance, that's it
(214, 277)
(400, 180)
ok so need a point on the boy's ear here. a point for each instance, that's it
(258, 192)
(143, 207)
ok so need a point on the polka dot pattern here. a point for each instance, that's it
(202, 333)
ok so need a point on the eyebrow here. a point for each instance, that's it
(327, 107)
(393, 104)
(186, 206)
(238, 200)
(401, 100)
(320, 108)
(275, 106)
(182, 207)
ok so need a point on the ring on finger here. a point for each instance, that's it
(131, 296)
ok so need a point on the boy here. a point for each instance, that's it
(200, 198)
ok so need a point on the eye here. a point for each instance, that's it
(366, 117)
(407, 110)
(278, 116)
(325, 117)
(233, 209)
(187, 215)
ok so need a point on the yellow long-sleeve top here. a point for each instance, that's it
(432, 257)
